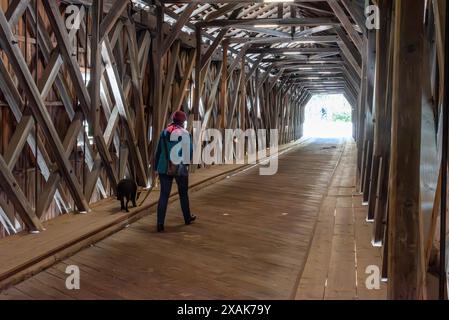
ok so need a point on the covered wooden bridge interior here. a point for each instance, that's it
(86, 86)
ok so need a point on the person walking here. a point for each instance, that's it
(323, 114)
(171, 165)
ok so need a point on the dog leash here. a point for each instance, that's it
(146, 196)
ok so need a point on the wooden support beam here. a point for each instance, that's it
(369, 110)
(311, 31)
(15, 103)
(198, 57)
(382, 117)
(9, 45)
(264, 79)
(15, 11)
(266, 31)
(293, 9)
(406, 271)
(50, 73)
(235, 99)
(117, 33)
(157, 79)
(206, 35)
(224, 86)
(254, 67)
(8, 217)
(281, 51)
(47, 193)
(138, 100)
(356, 11)
(169, 78)
(111, 18)
(276, 78)
(144, 53)
(237, 60)
(96, 69)
(185, 80)
(303, 22)
(183, 19)
(11, 187)
(222, 11)
(347, 25)
(46, 50)
(280, 10)
(349, 50)
(119, 97)
(211, 50)
(66, 49)
(232, 1)
(211, 101)
(73, 68)
(274, 40)
(18, 141)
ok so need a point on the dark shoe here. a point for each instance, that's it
(160, 228)
(192, 218)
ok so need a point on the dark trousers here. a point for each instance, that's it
(183, 189)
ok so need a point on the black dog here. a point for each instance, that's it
(127, 189)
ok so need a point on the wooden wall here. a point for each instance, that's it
(100, 102)
(400, 141)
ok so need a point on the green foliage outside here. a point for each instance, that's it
(341, 117)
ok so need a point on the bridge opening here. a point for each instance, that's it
(328, 116)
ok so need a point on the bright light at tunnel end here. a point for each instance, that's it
(328, 116)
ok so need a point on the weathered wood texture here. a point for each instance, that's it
(97, 91)
(251, 241)
(341, 249)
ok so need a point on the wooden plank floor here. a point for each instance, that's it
(341, 249)
(69, 233)
(251, 241)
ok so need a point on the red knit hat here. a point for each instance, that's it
(179, 117)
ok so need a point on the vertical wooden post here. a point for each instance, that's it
(197, 95)
(406, 272)
(224, 85)
(95, 77)
(255, 99)
(242, 104)
(157, 79)
(444, 162)
(369, 110)
(361, 124)
(381, 108)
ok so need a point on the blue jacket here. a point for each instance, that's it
(161, 162)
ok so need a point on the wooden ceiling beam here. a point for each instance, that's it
(303, 22)
(286, 51)
(347, 24)
(229, 1)
(112, 16)
(222, 11)
(273, 40)
(183, 19)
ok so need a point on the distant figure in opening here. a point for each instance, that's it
(323, 114)
(169, 168)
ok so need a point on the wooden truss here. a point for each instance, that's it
(122, 72)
